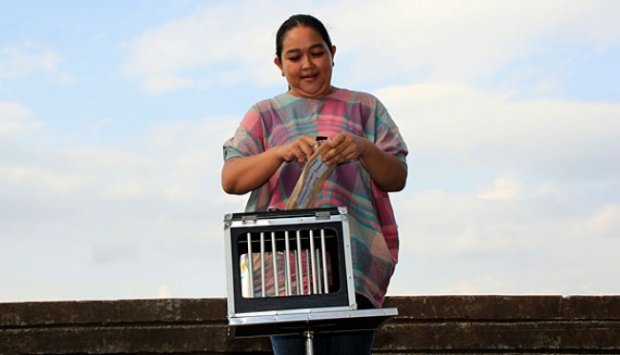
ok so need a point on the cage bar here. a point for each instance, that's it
(262, 264)
(274, 259)
(298, 252)
(313, 264)
(287, 264)
(250, 266)
(324, 261)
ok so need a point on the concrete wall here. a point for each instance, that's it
(429, 325)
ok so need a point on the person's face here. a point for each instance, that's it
(306, 62)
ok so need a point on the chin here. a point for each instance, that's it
(316, 93)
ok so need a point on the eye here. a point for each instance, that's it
(294, 58)
(318, 54)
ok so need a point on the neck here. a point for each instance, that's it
(293, 93)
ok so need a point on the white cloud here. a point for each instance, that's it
(542, 138)
(15, 119)
(460, 243)
(506, 195)
(222, 44)
(26, 59)
(109, 251)
(461, 40)
(605, 222)
(42, 179)
(177, 161)
(505, 187)
(165, 164)
(230, 43)
(154, 208)
(164, 291)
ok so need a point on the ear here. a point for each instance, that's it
(333, 52)
(278, 63)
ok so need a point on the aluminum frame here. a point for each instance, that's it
(287, 219)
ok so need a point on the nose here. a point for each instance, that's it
(307, 62)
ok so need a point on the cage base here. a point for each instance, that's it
(317, 322)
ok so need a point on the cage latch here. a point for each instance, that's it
(322, 215)
(251, 219)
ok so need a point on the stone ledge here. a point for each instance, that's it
(426, 324)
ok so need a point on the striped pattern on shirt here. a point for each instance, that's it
(284, 118)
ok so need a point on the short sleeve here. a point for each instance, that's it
(248, 139)
(387, 134)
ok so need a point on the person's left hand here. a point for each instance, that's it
(345, 147)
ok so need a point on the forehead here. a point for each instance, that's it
(301, 37)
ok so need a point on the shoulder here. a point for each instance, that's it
(355, 97)
(275, 103)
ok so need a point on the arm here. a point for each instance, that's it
(387, 171)
(244, 174)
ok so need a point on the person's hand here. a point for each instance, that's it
(300, 149)
(345, 147)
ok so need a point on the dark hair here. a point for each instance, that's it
(301, 20)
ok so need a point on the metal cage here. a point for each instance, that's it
(288, 271)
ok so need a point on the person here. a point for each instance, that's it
(277, 136)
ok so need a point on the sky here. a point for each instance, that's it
(113, 115)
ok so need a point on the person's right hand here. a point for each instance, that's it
(300, 149)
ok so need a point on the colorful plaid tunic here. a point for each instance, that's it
(373, 230)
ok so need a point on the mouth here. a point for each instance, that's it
(309, 77)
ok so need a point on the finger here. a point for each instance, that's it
(333, 156)
(296, 153)
(286, 152)
(343, 148)
(307, 148)
(342, 153)
(329, 155)
(337, 140)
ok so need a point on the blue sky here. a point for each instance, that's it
(112, 117)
